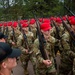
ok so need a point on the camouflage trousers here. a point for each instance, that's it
(24, 60)
(74, 66)
(44, 70)
(65, 71)
(33, 61)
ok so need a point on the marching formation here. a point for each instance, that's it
(40, 39)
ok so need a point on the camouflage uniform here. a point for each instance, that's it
(67, 56)
(49, 48)
(33, 27)
(11, 37)
(54, 33)
(21, 44)
(10, 33)
(34, 32)
(73, 48)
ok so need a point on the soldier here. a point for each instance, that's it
(4, 25)
(10, 33)
(68, 54)
(66, 59)
(32, 26)
(45, 66)
(26, 48)
(73, 41)
(53, 30)
(9, 27)
(13, 34)
(57, 31)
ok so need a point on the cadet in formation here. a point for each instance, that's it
(28, 42)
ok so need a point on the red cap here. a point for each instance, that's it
(51, 18)
(25, 20)
(4, 24)
(45, 26)
(71, 17)
(0, 24)
(15, 24)
(54, 18)
(24, 25)
(9, 23)
(21, 21)
(72, 22)
(41, 19)
(58, 20)
(64, 18)
(46, 20)
(32, 21)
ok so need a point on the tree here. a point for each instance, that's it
(25, 8)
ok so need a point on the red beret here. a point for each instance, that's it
(51, 18)
(24, 25)
(15, 24)
(58, 20)
(54, 18)
(21, 21)
(25, 20)
(64, 18)
(9, 23)
(41, 19)
(72, 22)
(0, 24)
(4, 24)
(46, 20)
(45, 26)
(71, 17)
(32, 21)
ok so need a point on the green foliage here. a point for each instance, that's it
(25, 8)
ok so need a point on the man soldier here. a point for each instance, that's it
(45, 66)
(10, 34)
(66, 61)
(4, 25)
(73, 41)
(32, 26)
(67, 66)
(60, 33)
(26, 48)
(13, 34)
